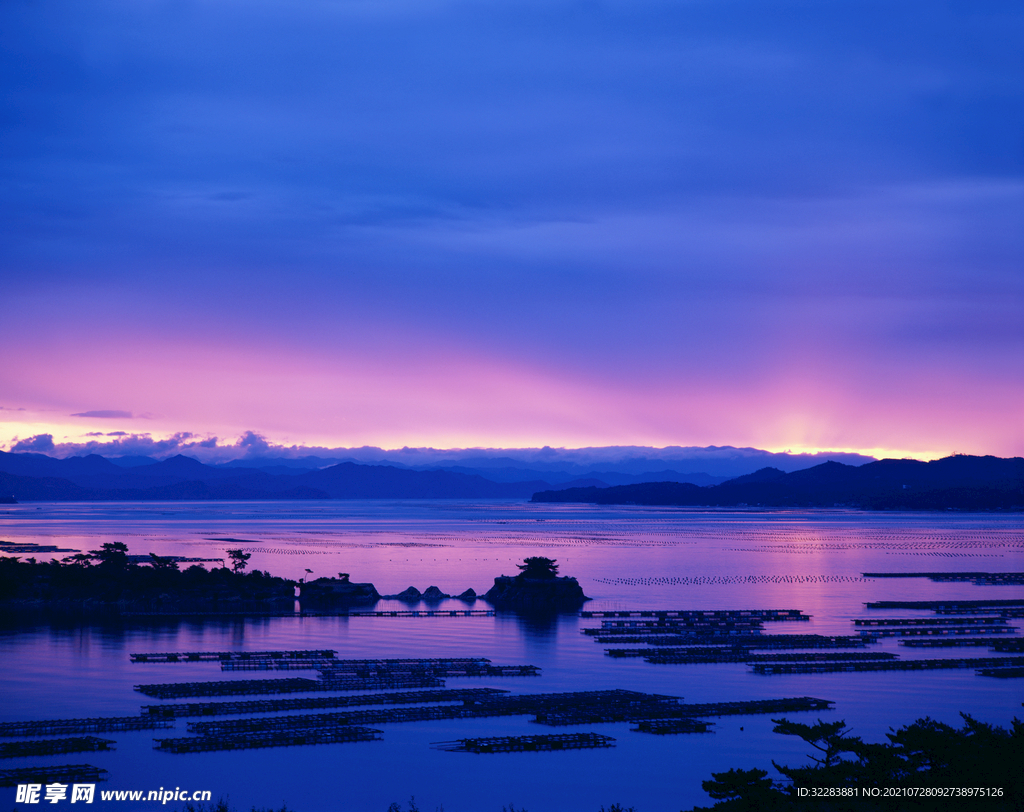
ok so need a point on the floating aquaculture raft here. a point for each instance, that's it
(268, 738)
(518, 744)
(316, 702)
(52, 747)
(65, 773)
(56, 727)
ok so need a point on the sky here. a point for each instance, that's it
(336, 223)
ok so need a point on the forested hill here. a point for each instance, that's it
(960, 483)
(36, 477)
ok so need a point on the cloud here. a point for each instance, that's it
(41, 444)
(105, 413)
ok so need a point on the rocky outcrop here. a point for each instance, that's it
(469, 596)
(536, 594)
(327, 592)
(434, 594)
(410, 595)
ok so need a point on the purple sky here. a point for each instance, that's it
(789, 225)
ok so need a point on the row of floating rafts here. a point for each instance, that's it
(812, 657)
(994, 643)
(950, 606)
(62, 773)
(979, 578)
(331, 681)
(315, 702)
(58, 727)
(768, 641)
(764, 615)
(231, 656)
(550, 709)
(1017, 663)
(929, 621)
(269, 738)
(519, 744)
(52, 747)
(924, 631)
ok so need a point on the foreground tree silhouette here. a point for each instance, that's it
(926, 754)
(239, 560)
(538, 567)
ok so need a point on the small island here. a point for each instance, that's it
(109, 580)
(538, 588)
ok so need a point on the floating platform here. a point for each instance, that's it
(230, 656)
(269, 738)
(911, 631)
(754, 707)
(890, 665)
(954, 642)
(1006, 611)
(419, 613)
(946, 605)
(527, 744)
(763, 615)
(63, 773)
(664, 727)
(191, 709)
(57, 727)
(754, 641)
(930, 621)
(815, 657)
(1003, 673)
(274, 665)
(669, 623)
(979, 578)
(292, 685)
(52, 747)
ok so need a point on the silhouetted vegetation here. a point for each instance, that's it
(108, 577)
(926, 755)
(538, 567)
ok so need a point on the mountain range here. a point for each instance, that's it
(960, 482)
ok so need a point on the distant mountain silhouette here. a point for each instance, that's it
(37, 477)
(960, 482)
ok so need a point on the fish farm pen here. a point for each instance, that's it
(1003, 673)
(315, 702)
(224, 656)
(950, 606)
(978, 578)
(57, 727)
(930, 621)
(64, 773)
(763, 615)
(527, 744)
(815, 657)
(269, 738)
(1007, 611)
(697, 655)
(52, 747)
(667, 726)
(993, 642)
(768, 641)
(887, 665)
(920, 631)
(274, 665)
(757, 706)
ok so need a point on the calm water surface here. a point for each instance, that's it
(625, 558)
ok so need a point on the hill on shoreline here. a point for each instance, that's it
(959, 482)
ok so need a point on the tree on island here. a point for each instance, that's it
(112, 555)
(239, 560)
(538, 567)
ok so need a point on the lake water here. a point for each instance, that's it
(624, 558)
